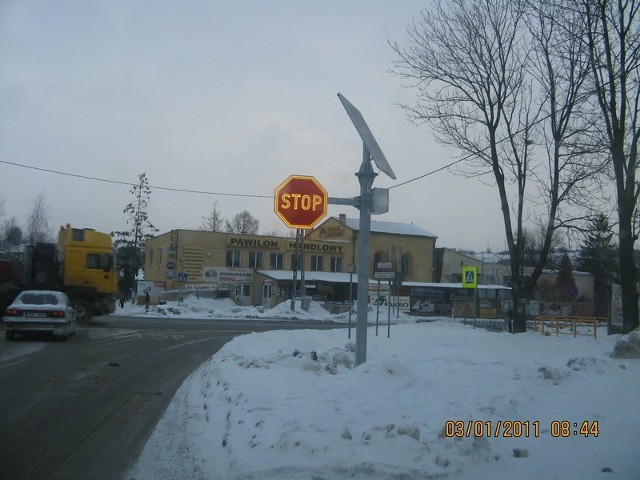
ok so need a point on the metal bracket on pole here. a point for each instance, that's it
(354, 202)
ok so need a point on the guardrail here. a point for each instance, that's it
(560, 323)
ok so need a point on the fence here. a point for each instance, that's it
(543, 324)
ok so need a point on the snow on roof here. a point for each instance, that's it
(391, 227)
(453, 285)
(338, 277)
(334, 277)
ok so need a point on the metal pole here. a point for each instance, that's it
(377, 308)
(365, 175)
(303, 285)
(295, 270)
(389, 315)
(350, 297)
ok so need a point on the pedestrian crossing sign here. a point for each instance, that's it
(469, 277)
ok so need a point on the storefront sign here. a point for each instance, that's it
(255, 242)
(321, 247)
(201, 288)
(332, 232)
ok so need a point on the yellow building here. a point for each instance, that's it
(259, 269)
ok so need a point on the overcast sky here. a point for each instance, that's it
(228, 97)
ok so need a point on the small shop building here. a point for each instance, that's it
(260, 269)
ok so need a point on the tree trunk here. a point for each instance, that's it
(628, 271)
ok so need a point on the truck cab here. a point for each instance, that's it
(87, 270)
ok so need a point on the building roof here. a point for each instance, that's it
(390, 227)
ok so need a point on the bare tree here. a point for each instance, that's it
(244, 223)
(214, 222)
(472, 63)
(11, 234)
(38, 221)
(613, 40)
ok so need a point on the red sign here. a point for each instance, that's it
(300, 201)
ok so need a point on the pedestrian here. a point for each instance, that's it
(509, 309)
(147, 299)
(122, 300)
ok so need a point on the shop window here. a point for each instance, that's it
(316, 263)
(336, 264)
(276, 261)
(255, 259)
(233, 258)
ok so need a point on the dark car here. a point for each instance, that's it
(36, 311)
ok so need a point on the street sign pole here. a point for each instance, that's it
(365, 175)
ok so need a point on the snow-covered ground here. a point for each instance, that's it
(290, 405)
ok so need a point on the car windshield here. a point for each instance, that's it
(38, 299)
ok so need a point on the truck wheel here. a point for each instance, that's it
(84, 309)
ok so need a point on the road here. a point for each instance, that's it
(82, 409)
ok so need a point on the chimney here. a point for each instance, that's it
(342, 218)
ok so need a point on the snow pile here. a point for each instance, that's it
(192, 307)
(290, 405)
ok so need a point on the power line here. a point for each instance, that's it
(444, 167)
(118, 182)
(203, 192)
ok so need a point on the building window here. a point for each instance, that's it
(405, 266)
(255, 259)
(336, 264)
(316, 263)
(159, 256)
(294, 261)
(233, 258)
(151, 256)
(277, 261)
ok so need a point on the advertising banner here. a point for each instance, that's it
(154, 288)
(616, 305)
(227, 275)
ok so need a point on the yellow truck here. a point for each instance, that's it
(81, 264)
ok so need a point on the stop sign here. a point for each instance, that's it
(300, 201)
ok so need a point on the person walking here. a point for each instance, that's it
(147, 299)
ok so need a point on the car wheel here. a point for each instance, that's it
(84, 309)
(10, 334)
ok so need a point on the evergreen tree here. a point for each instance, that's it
(565, 280)
(599, 257)
(129, 243)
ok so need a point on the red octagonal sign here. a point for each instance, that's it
(300, 201)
